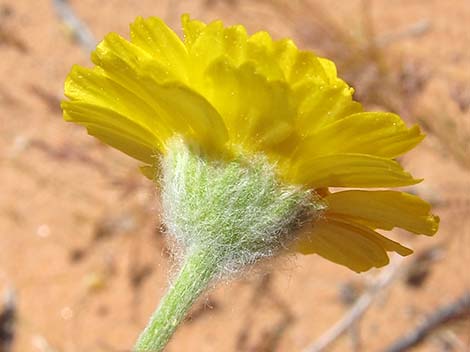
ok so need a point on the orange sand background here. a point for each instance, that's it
(80, 240)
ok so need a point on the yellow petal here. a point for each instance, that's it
(137, 141)
(265, 53)
(276, 60)
(351, 245)
(322, 104)
(95, 99)
(191, 29)
(330, 69)
(162, 44)
(376, 133)
(348, 170)
(385, 210)
(207, 45)
(302, 67)
(319, 95)
(169, 106)
(122, 59)
(235, 42)
(149, 171)
(192, 116)
(281, 60)
(124, 142)
(257, 112)
(290, 60)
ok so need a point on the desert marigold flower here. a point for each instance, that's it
(250, 135)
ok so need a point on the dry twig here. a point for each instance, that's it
(358, 309)
(414, 30)
(7, 322)
(457, 310)
(79, 30)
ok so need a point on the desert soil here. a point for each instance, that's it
(81, 248)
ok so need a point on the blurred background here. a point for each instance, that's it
(83, 261)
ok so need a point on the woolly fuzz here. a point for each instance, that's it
(237, 211)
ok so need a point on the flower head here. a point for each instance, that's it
(231, 98)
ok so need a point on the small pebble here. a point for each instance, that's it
(43, 231)
(66, 313)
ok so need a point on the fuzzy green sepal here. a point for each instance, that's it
(237, 208)
(223, 216)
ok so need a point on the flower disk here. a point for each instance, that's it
(226, 94)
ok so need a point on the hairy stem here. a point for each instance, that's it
(197, 271)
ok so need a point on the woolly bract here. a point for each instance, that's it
(235, 210)
(226, 94)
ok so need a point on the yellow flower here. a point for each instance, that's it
(227, 93)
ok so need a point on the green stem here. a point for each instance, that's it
(198, 270)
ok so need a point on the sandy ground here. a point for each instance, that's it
(80, 245)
